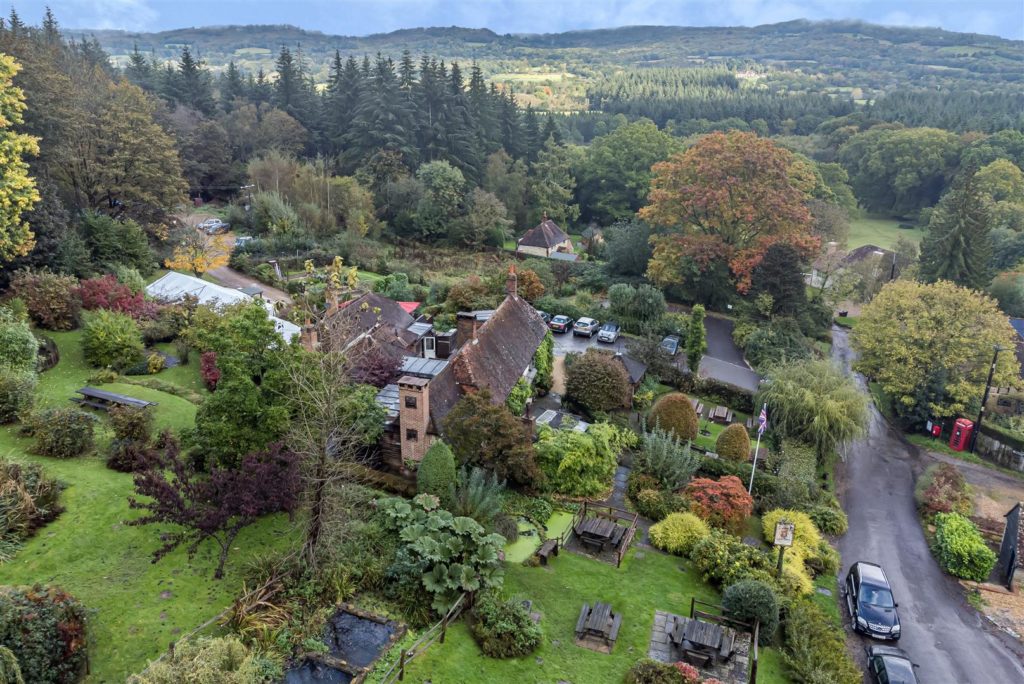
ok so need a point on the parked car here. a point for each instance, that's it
(890, 665)
(243, 240)
(609, 332)
(585, 326)
(870, 601)
(671, 345)
(213, 226)
(560, 324)
(544, 315)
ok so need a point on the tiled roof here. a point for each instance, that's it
(363, 314)
(634, 369)
(546, 234)
(495, 360)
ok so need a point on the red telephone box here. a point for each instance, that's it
(961, 437)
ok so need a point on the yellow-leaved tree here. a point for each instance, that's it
(930, 346)
(198, 252)
(18, 192)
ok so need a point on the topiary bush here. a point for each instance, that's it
(829, 520)
(722, 503)
(733, 443)
(503, 629)
(111, 340)
(960, 548)
(679, 533)
(436, 473)
(675, 414)
(45, 627)
(17, 392)
(649, 671)
(62, 432)
(753, 601)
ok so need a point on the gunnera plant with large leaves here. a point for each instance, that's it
(448, 554)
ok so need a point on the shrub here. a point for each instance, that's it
(943, 489)
(649, 671)
(578, 464)
(597, 382)
(28, 500)
(652, 504)
(154, 363)
(436, 473)
(825, 561)
(689, 673)
(666, 458)
(208, 370)
(638, 482)
(475, 494)
(225, 660)
(723, 503)
(960, 548)
(17, 392)
(62, 432)
(508, 527)
(679, 533)
(533, 508)
(126, 456)
(807, 549)
(131, 277)
(815, 648)
(723, 559)
(111, 340)
(733, 443)
(440, 555)
(517, 398)
(106, 293)
(829, 520)
(674, 414)
(18, 346)
(51, 299)
(132, 423)
(503, 629)
(543, 361)
(753, 601)
(46, 628)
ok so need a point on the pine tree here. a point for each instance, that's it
(193, 83)
(958, 247)
(532, 142)
(140, 70)
(552, 185)
(232, 87)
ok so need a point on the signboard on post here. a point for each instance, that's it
(784, 533)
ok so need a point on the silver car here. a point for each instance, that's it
(585, 326)
(609, 332)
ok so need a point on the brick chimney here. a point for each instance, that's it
(413, 417)
(309, 338)
(512, 282)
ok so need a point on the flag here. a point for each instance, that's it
(762, 421)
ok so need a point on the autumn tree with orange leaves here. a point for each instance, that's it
(732, 195)
(198, 252)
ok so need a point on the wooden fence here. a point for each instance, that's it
(436, 633)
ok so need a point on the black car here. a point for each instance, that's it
(870, 601)
(560, 324)
(544, 316)
(670, 345)
(890, 665)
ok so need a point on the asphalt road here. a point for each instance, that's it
(947, 638)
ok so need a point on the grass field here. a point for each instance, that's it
(647, 581)
(139, 607)
(881, 232)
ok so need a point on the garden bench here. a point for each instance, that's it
(584, 614)
(547, 549)
(750, 423)
(103, 400)
(616, 623)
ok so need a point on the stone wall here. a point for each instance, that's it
(994, 450)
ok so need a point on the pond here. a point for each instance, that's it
(353, 643)
(528, 542)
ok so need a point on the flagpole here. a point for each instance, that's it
(760, 430)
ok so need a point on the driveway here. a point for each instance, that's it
(229, 277)
(948, 639)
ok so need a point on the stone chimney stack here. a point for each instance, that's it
(512, 283)
(309, 337)
(413, 417)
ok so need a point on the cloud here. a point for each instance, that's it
(132, 15)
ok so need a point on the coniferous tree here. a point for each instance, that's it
(140, 70)
(193, 87)
(232, 87)
(958, 246)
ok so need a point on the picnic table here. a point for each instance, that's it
(698, 407)
(721, 414)
(598, 622)
(103, 400)
(701, 641)
(599, 532)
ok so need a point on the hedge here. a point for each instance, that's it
(960, 548)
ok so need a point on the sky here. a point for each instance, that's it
(360, 17)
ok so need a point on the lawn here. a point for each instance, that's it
(881, 232)
(648, 580)
(139, 607)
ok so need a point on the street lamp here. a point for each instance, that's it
(984, 399)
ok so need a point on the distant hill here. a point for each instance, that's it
(843, 54)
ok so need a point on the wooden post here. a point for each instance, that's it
(401, 666)
(778, 570)
(693, 602)
(444, 626)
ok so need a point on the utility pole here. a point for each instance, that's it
(984, 398)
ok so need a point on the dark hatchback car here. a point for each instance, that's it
(560, 324)
(670, 345)
(890, 665)
(545, 316)
(870, 601)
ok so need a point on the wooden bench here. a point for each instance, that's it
(728, 643)
(582, 621)
(103, 400)
(617, 536)
(616, 623)
(547, 549)
(750, 423)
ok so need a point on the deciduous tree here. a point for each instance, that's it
(914, 333)
(198, 252)
(18, 192)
